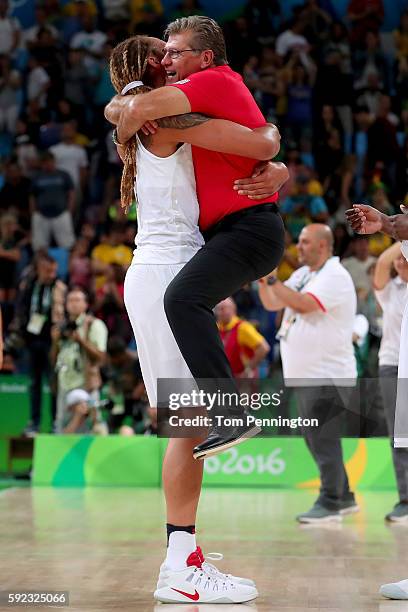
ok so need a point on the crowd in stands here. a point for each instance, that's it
(336, 87)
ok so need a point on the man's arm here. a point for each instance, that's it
(226, 137)
(278, 296)
(383, 267)
(129, 113)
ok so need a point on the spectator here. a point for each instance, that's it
(364, 16)
(370, 61)
(401, 39)
(77, 85)
(292, 39)
(320, 305)
(109, 304)
(82, 414)
(39, 305)
(390, 282)
(71, 158)
(52, 205)
(10, 86)
(111, 250)
(359, 263)
(126, 389)
(31, 34)
(10, 30)
(78, 350)
(264, 18)
(317, 22)
(243, 344)
(302, 208)
(38, 82)
(80, 268)
(9, 256)
(299, 100)
(15, 193)
(91, 42)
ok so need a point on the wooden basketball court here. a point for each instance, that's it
(105, 546)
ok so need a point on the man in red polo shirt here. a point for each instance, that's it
(244, 240)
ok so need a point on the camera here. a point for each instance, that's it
(67, 329)
(14, 343)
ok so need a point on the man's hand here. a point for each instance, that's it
(267, 179)
(364, 219)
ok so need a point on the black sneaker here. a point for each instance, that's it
(222, 438)
(399, 514)
(319, 514)
(348, 506)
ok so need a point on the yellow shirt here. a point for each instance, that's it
(285, 270)
(108, 254)
(247, 335)
(377, 243)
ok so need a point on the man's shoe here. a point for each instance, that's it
(348, 506)
(214, 571)
(222, 438)
(395, 590)
(399, 514)
(30, 431)
(194, 584)
(319, 514)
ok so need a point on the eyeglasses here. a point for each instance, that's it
(175, 53)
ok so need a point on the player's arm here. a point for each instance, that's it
(129, 113)
(222, 136)
(383, 266)
(368, 220)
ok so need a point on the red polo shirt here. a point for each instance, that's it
(220, 92)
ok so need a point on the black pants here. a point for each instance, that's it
(388, 385)
(40, 367)
(327, 404)
(243, 247)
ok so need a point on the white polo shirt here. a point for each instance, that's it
(392, 300)
(318, 347)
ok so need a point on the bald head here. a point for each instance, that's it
(315, 245)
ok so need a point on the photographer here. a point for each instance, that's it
(78, 350)
(39, 305)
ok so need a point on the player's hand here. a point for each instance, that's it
(267, 179)
(364, 219)
(150, 127)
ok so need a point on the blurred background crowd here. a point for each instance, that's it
(336, 84)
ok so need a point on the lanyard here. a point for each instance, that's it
(45, 300)
(308, 277)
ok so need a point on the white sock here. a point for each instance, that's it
(181, 545)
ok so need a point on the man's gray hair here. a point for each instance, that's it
(206, 34)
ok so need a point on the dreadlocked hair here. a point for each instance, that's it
(128, 62)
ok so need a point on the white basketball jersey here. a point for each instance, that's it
(167, 209)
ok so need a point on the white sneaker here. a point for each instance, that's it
(214, 571)
(193, 583)
(395, 590)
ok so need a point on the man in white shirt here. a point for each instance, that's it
(91, 41)
(10, 30)
(292, 38)
(390, 283)
(71, 157)
(318, 358)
